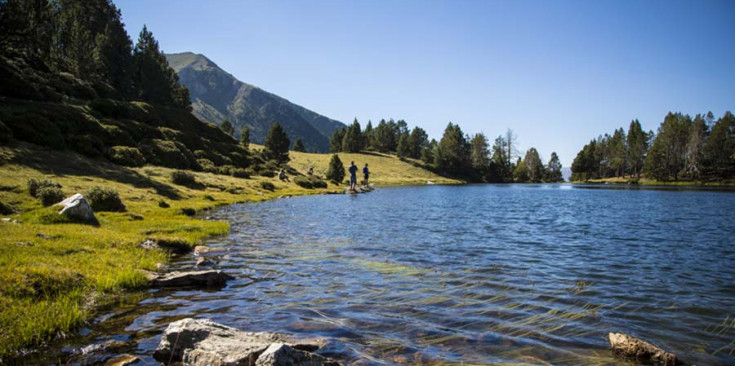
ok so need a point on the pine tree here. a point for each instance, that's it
(479, 153)
(694, 149)
(719, 150)
(427, 154)
(155, 80)
(534, 166)
(277, 144)
(417, 140)
(336, 170)
(553, 169)
(452, 155)
(245, 136)
(335, 143)
(227, 127)
(352, 139)
(299, 146)
(404, 149)
(637, 148)
(367, 136)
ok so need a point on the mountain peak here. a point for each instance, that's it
(217, 95)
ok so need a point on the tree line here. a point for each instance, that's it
(87, 39)
(455, 154)
(683, 148)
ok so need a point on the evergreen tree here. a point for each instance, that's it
(335, 143)
(336, 170)
(479, 155)
(665, 160)
(404, 149)
(299, 145)
(385, 136)
(245, 136)
(352, 139)
(719, 150)
(695, 147)
(427, 154)
(417, 140)
(617, 153)
(502, 166)
(637, 148)
(367, 136)
(452, 155)
(520, 172)
(553, 169)
(113, 53)
(227, 127)
(277, 144)
(155, 81)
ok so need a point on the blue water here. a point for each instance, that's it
(481, 274)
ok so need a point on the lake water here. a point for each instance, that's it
(480, 274)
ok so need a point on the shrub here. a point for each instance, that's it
(87, 145)
(170, 154)
(34, 185)
(188, 211)
(209, 197)
(125, 155)
(6, 209)
(336, 171)
(268, 186)
(50, 195)
(268, 173)
(105, 199)
(310, 182)
(241, 173)
(207, 165)
(163, 204)
(225, 170)
(183, 178)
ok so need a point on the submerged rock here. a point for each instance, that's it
(209, 278)
(359, 189)
(204, 342)
(627, 347)
(122, 360)
(77, 207)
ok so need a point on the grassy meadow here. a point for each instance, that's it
(51, 270)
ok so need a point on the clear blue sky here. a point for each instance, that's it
(556, 72)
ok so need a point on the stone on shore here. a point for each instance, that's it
(77, 208)
(203, 342)
(122, 360)
(359, 189)
(628, 347)
(279, 354)
(209, 278)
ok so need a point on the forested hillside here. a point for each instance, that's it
(684, 148)
(71, 78)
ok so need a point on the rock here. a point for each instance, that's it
(359, 189)
(201, 249)
(627, 347)
(122, 360)
(76, 207)
(210, 278)
(279, 354)
(42, 236)
(149, 244)
(204, 342)
(203, 262)
(100, 347)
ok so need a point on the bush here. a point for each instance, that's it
(50, 195)
(209, 197)
(183, 178)
(125, 155)
(87, 145)
(163, 204)
(34, 185)
(225, 170)
(170, 154)
(268, 173)
(105, 199)
(6, 209)
(336, 171)
(241, 173)
(207, 165)
(268, 186)
(310, 182)
(188, 211)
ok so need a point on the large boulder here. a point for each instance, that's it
(627, 347)
(76, 207)
(210, 278)
(204, 342)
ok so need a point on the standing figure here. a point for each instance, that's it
(366, 175)
(353, 176)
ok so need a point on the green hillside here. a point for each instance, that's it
(216, 95)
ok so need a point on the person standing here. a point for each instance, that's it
(366, 175)
(353, 176)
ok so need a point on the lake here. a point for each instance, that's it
(481, 274)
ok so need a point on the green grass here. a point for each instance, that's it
(652, 182)
(51, 267)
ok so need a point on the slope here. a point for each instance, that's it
(217, 95)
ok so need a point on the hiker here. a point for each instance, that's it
(366, 175)
(282, 176)
(353, 176)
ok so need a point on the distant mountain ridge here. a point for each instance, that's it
(217, 95)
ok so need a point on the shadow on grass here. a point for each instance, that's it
(69, 163)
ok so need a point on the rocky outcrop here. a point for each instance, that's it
(359, 189)
(631, 348)
(76, 207)
(204, 342)
(210, 278)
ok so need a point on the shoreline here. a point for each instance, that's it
(52, 271)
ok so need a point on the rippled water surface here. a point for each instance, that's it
(480, 274)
